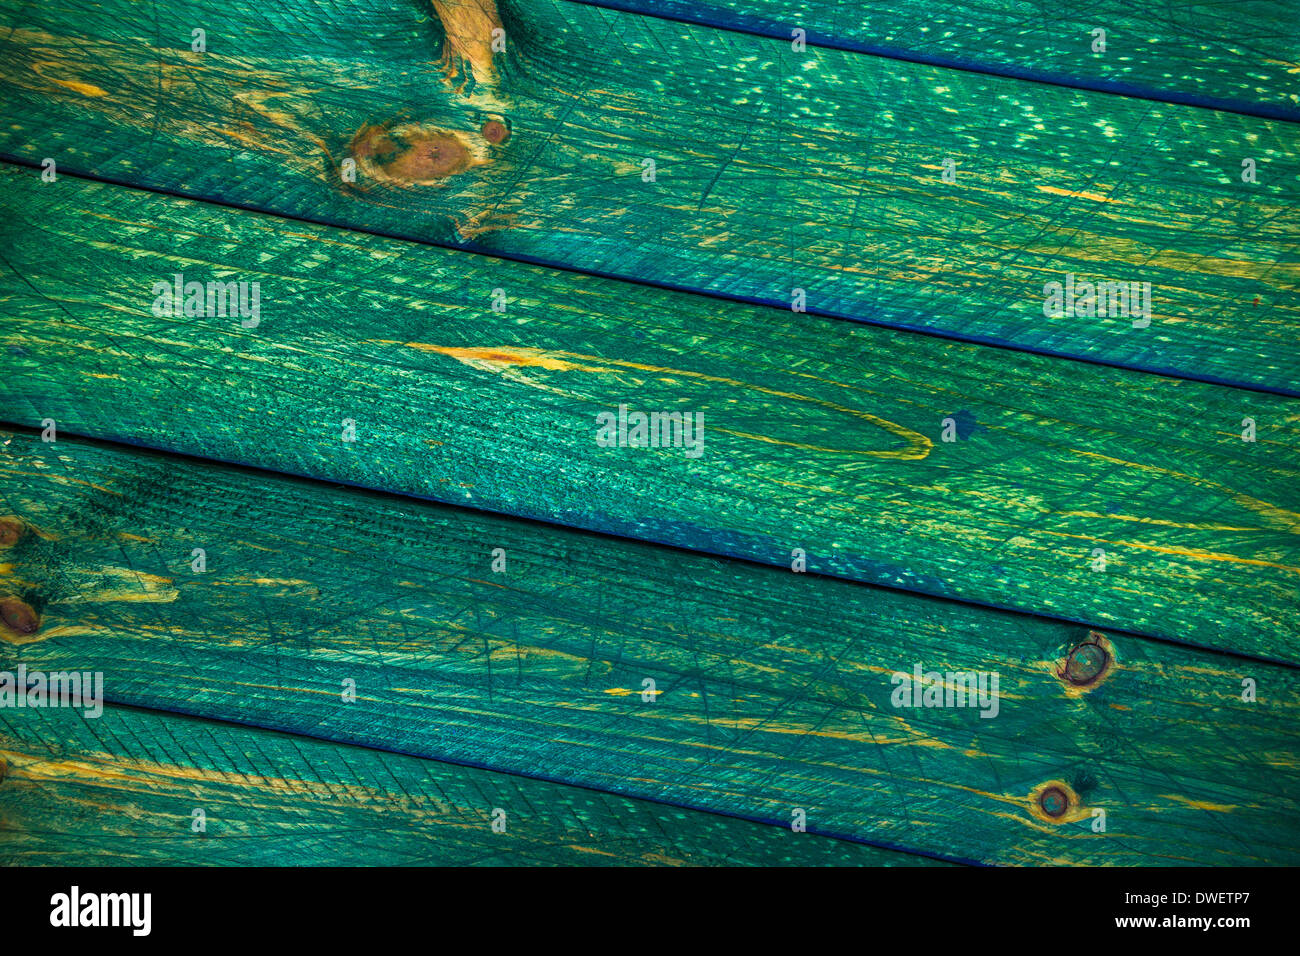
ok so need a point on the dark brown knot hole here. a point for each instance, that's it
(11, 531)
(1054, 801)
(18, 616)
(495, 132)
(1086, 663)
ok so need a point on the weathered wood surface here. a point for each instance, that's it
(121, 788)
(1241, 56)
(772, 691)
(819, 435)
(821, 171)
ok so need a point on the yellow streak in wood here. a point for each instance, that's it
(85, 89)
(252, 140)
(765, 725)
(1201, 804)
(1076, 194)
(1107, 250)
(1269, 274)
(38, 768)
(15, 639)
(494, 359)
(1034, 824)
(133, 223)
(1194, 553)
(234, 689)
(134, 586)
(264, 582)
(497, 359)
(1279, 517)
(132, 774)
(312, 237)
(1189, 525)
(624, 692)
(509, 650)
(62, 479)
(591, 849)
(1038, 507)
(257, 547)
(256, 101)
(46, 633)
(919, 446)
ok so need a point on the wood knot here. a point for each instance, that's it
(411, 155)
(1087, 663)
(19, 617)
(12, 531)
(1054, 802)
(495, 132)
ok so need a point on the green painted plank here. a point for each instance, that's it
(821, 171)
(1241, 55)
(121, 789)
(771, 691)
(819, 435)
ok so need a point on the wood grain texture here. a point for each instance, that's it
(121, 789)
(775, 171)
(772, 691)
(819, 435)
(1241, 55)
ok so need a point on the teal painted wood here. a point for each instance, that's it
(771, 691)
(1239, 55)
(1109, 497)
(121, 789)
(821, 171)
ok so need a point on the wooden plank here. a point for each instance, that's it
(820, 171)
(1241, 56)
(122, 788)
(771, 691)
(818, 435)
